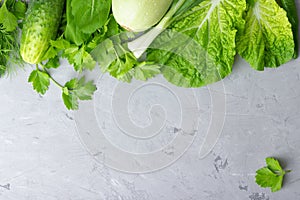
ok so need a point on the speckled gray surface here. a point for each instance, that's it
(42, 156)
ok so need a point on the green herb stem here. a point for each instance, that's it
(51, 78)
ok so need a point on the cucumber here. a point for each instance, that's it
(41, 24)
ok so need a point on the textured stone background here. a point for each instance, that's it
(41, 156)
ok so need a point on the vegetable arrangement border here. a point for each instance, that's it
(192, 43)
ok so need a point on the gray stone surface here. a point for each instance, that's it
(42, 156)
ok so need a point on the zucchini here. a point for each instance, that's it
(41, 24)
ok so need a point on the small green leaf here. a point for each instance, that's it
(266, 178)
(75, 90)
(88, 62)
(146, 71)
(85, 90)
(72, 84)
(80, 58)
(52, 63)
(274, 166)
(70, 101)
(270, 176)
(60, 44)
(40, 81)
(50, 53)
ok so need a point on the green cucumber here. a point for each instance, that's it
(40, 26)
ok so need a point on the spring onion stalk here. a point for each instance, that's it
(140, 45)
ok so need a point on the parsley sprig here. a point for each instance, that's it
(74, 90)
(271, 175)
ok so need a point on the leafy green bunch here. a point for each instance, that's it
(11, 14)
(263, 32)
(84, 25)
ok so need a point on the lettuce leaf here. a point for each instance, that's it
(267, 40)
(84, 18)
(199, 47)
(290, 7)
(90, 14)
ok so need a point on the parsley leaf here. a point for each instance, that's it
(52, 63)
(271, 176)
(61, 44)
(75, 90)
(50, 53)
(145, 71)
(40, 81)
(114, 57)
(274, 165)
(77, 56)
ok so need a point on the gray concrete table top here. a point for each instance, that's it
(42, 157)
(44, 153)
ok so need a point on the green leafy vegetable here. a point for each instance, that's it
(73, 32)
(73, 91)
(2, 69)
(271, 175)
(187, 5)
(144, 71)
(84, 18)
(19, 9)
(84, 25)
(77, 56)
(114, 57)
(40, 81)
(9, 45)
(7, 19)
(77, 89)
(110, 28)
(290, 7)
(52, 63)
(267, 39)
(200, 47)
(90, 15)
